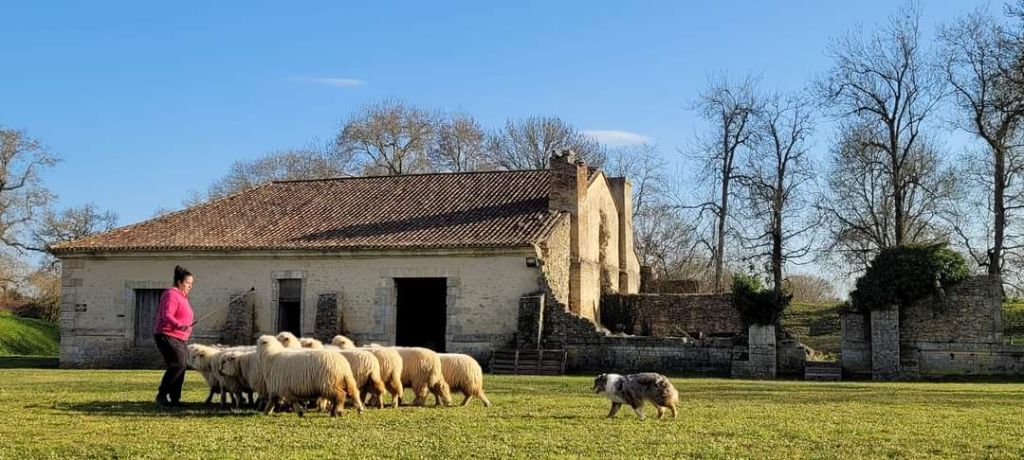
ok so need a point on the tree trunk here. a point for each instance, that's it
(995, 255)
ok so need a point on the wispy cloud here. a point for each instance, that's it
(614, 137)
(332, 81)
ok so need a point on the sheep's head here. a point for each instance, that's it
(198, 356)
(229, 364)
(341, 341)
(288, 340)
(268, 343)
(311, 343)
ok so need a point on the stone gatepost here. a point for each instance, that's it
(238, 327)
(762, 355)
(885, 344)
(856, 347)
(328, 318)
(531, 321)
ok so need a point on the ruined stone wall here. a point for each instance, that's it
(856, 345)
(970, 312)
(591, 348)
(672, 315)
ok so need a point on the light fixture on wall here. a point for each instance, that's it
(532, 262)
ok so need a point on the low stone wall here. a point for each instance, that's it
(115, 352)
(936, 360)
(671, 315)
(590, 348)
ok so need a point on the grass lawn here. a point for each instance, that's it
(816, 326)
(64, 413)
(27, 336)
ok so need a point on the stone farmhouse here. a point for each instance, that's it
(438, 260)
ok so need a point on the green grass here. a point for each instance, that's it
(816, 326)
(62, 413)
(27, 336)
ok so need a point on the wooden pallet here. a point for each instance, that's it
(823, 371)
(528, 362)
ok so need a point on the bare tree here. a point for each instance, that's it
(729, 108)
(774, 181)
(22, 195)
(308, 163)
(388, 137)
(883, 90)
(527, 144)
(811, 289)
(72, 224)
(857, 204)
(663, 237)
(460, 145)
(980, 59)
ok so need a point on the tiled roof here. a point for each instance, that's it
(464, 210)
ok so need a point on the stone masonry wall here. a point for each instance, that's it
(672, 315)
(856, 345)
(591, 348)
(761, 360)
(970, 312)
(885, 344)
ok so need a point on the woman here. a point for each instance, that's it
(173, 328)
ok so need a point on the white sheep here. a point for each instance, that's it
(288, 340)
(308, 342)
(421, 371)
(390, 367)
(366, 369)
(343, 342)
(297, 376)
(200, 358)
(233, 384)
(463, 374)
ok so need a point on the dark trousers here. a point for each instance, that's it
(175, 352)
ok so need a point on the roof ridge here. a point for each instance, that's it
(396, 176)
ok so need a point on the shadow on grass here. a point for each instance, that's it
(29, 362)
(121, 408)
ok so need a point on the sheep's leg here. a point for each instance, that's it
(466, 398)
(209, 397)
(223, 398)
(271, 404)
(483, 397)
(421, 395)
(299, 408)
(396, 393)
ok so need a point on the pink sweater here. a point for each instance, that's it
(174, 315)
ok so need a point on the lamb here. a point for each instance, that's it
(390, 367)
(297, 376)
(463, 374)
(422, 371)
(289, 340)
(314, 344)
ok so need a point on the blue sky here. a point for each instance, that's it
(144, 102)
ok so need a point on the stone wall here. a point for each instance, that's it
(328, 317)
(970, 312)
(762, 360)
(856, 345)
(238, 324)
(591, 348)
(958, 332)
(885, 344)
(672, 315)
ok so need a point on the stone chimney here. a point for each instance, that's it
(567, 188)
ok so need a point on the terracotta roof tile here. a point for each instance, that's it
(490, 209)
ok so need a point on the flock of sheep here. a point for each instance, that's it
(286, 371)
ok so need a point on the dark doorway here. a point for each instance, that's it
(289, 306)
(422, 314)
(147, 301)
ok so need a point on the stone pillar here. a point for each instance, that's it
(531, 321)
(885, 344)
(646, 279)
(238, 327)
(567, 188)
(856, 345)
(328, 318)
(762, 357)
